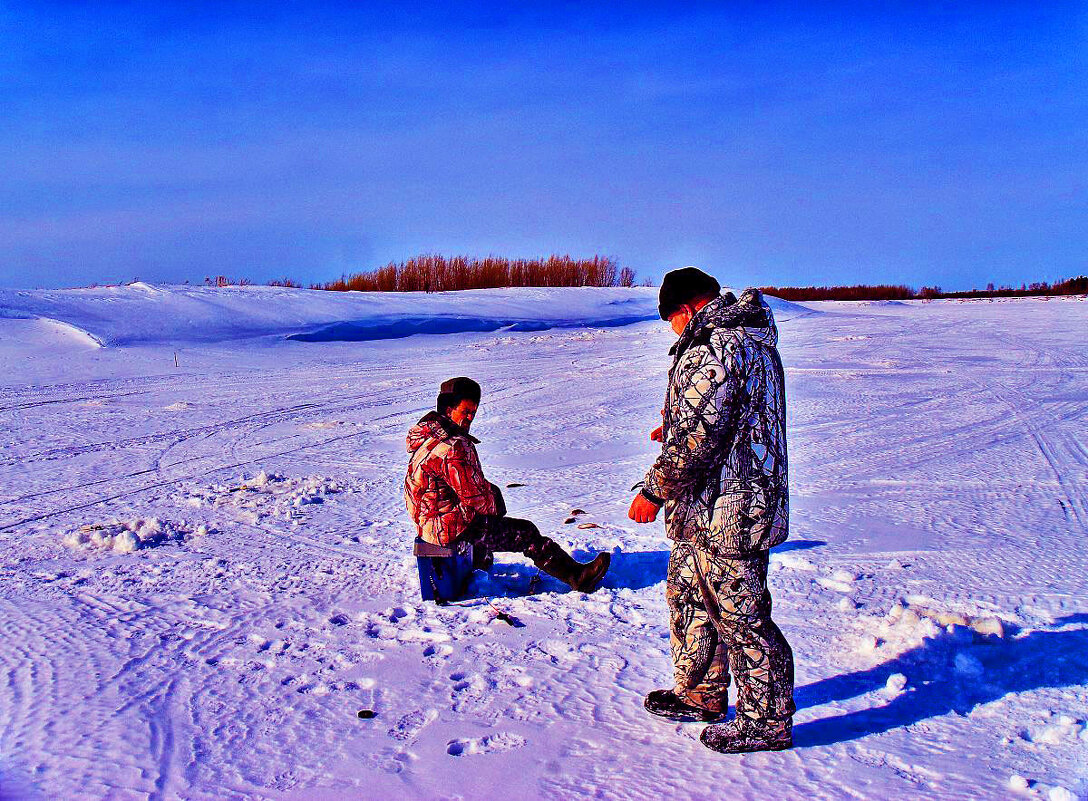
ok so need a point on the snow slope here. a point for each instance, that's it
(142, 314)
(205, 569)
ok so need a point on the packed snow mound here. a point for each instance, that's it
(141, 313)
(909, 626)
(127, 536)
(26, 334)
(266, 495)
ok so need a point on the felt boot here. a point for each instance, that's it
(744, 734)
(561, 565)
(668, 704)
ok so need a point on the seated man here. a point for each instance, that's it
(450, 500)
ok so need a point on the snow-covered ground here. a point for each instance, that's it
(205, 570)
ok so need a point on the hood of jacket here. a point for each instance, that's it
(435, 426)
(749, 312)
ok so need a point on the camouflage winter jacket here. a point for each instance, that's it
(445, 487)
(722, 469)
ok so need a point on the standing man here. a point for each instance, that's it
(721, 478)
(450, 500)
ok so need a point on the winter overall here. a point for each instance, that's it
(497, 534)
(722, 479)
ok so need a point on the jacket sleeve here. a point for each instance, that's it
(702, 394)
(461, 470)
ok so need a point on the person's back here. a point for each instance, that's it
(444, 458)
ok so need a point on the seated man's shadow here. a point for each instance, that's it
(632, 570)
(989, 668)
(635, 570)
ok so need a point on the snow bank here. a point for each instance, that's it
(23, 335)
(142, 313)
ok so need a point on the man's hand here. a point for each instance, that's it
(643, 510)
(657, 435)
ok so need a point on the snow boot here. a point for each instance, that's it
(744, 734)
(561, 565)
(667, 704)
(590, 575)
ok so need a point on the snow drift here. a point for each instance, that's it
(145, 314)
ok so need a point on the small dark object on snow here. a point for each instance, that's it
(570, 520)
(577, 511)
(367, 714)
(509, 619)
(513, 484)
(505, 617)
(667, 704)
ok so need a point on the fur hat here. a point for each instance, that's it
(455, 390)
(684, 286)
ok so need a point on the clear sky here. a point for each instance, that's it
(769, 143)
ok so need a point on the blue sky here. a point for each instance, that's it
(769, 143)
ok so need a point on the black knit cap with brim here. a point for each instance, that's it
(455, 390)
(684, 286)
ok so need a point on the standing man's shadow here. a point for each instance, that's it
(1052, 658)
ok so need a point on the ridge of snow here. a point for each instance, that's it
(144, 314)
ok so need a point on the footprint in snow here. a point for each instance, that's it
(407, 729)
(491, 744)
(439, 651)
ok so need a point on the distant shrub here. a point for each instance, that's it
(287, 282)
(435, 273)
(222, 280)
(1071, 286)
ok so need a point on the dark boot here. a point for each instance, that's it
(667, 704)
(591, 574)
(743, 735)
(561, 565)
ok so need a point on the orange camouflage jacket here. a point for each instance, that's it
(445, 486)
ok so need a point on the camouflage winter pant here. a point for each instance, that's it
(495, 533)
(722, 621)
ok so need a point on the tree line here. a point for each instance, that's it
(1071, 286)
(436, 273)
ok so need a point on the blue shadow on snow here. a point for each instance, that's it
(409, 325)
(633, 570)
(1042, 659)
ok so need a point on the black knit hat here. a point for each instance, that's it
(455, 390)
(684, 286)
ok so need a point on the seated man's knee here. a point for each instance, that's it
(526, 528)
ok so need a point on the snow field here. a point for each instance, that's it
(933, 588)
